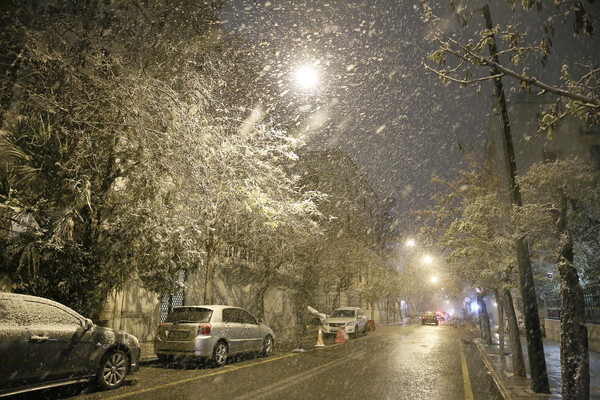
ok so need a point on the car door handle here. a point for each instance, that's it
(38, 339)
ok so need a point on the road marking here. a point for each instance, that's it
(195, 378)
(465, 371)
(295, 379)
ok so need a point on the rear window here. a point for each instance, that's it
(189, 314)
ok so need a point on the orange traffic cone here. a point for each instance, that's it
(320, 339)
(342, 336)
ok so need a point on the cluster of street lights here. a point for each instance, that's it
(426, 259)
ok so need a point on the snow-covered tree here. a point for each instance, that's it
(125, 158)
(472, 222)
(563, 202)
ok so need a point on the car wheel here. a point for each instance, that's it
(268, 345)
(220, 353)
(113, 369)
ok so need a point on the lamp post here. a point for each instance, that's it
(306, 77)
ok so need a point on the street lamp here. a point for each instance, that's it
(434, 279)
(410, 243)
(427, 259)
(306, 77)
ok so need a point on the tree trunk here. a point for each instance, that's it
(484, 320)
(400, 308)
(518, 362)
(387, 311)
(208, 278)
(535, 346)
(500, 327)
(260, 300)
(574, 353)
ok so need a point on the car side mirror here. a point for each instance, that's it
(87, 324)
(261, 321)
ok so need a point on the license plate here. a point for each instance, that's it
(178, 334)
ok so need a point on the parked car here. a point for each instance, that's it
(316, 317)
(45, 344)
(429, 317)
(212, 332)
(351, 319)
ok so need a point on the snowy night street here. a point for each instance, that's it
(300, 199)
(396, 362)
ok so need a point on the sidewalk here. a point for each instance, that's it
(515, 388)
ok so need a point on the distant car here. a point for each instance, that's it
(211, 332)
(429, 317)
(441, 315)
(351, 319)
(45, 344)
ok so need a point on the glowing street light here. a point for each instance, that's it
(434, 279)
(427, 259)
(410, 243)
(306, 77)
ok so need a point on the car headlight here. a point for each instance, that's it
(350, 323)
(136, 341)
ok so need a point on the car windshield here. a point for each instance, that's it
(342, 314)
(189, 315)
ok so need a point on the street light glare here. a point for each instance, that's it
(434, 279)
(306, 77)
(410, 243)
(427, 259)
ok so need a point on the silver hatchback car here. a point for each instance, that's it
(212, 332)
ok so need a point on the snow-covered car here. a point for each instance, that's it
(45, 344)
(212, 332)
(316, 317)
(351, 319)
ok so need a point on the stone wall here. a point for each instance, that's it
(553, 333)
(137, 311)
(133, 310)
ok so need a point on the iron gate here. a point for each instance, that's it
(173, 299)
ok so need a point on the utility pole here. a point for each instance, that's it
(535, 346)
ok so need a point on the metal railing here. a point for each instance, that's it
(591, 299)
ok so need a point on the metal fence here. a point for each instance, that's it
(173, 299)
(591, 299)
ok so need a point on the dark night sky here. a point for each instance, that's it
(375, 100)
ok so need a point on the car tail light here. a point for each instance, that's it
(204, 329)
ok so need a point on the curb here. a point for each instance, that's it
(503, 391)
(148, 361)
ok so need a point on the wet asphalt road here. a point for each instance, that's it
(396, 362)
